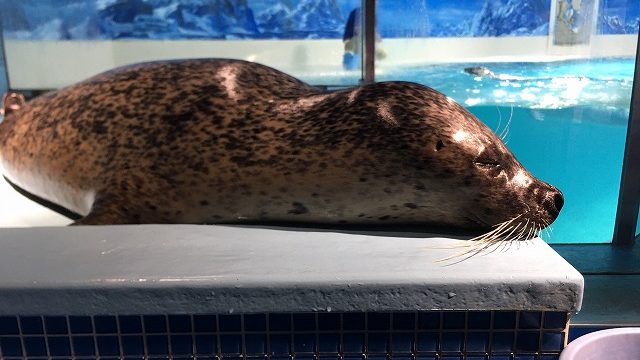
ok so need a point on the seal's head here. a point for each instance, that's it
(473, 179)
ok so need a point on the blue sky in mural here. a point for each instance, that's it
(237, 19)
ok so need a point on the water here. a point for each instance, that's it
(568, 127)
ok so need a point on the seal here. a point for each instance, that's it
(227, 141)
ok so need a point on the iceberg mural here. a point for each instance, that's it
(619, 17)
(288, 19)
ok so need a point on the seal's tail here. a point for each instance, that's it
(12, 102)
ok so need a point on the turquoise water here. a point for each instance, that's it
(568, 127)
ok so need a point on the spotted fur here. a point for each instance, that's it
(224, 141)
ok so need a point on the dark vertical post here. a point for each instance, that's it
(369, 40)
(629, 199)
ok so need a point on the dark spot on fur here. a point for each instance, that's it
(204, 202)
(315, 195)
(439, 145)
(386, 217)
(298, 209)
(411, 205)
(363, 179)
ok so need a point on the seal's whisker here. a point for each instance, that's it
(499, 120)
(507, 127)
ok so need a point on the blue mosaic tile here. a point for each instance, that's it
(56, 325)
(328, 321)
(130, 324)
(179, 323)
(404, 321)
(9, 325)
(83, 345)
(255, 322)
(132, 345)
(281, 357)
(378, 321)
(353, 343)
(552, 341)
(453, 320)
(501, 357)
(31, 325)
(503, 341)
(555, 320)
(204, 323)
(230, 323)
(304, 357)
(80, 325)
(304, 343)
(427, 342)
(378, 343)
(528, 341)
(181, 344)
(530, 320)
(10, 346)
(525, 357)
(451, 357)
(304, 322)
(35, 346)
(402, 357)
(354, 357)
(477, 357)
(155, 324)
(375, 357)
(427, 357)
(429, 321)
(480, 320)
(329, 343)
(549, 357)
(157, 344)
(108, 345)
(477, 341)
(452, 342)
(401, 342)
(105, 324)
(353, 321)
(59, 346)
(206, 344)
(504, 320)
(279, 322)
(280, 344)
(255, 344)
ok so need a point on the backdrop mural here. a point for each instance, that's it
(291, 19)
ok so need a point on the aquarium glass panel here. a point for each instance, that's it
(51, 44)
(554, 78)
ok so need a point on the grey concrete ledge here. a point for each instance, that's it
(155, 269)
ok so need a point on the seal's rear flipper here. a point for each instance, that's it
(12, 102)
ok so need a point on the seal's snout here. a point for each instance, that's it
(554, 202)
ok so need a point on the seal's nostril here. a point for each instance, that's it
(558, 201)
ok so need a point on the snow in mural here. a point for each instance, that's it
(289, 19)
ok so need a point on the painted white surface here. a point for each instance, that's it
(220, 269)
(18, 211)
(53, 64)
(610, 344)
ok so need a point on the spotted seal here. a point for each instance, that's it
(227, 141)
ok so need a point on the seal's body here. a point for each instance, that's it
(225, 141)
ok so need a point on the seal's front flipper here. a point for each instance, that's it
(12, 102)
